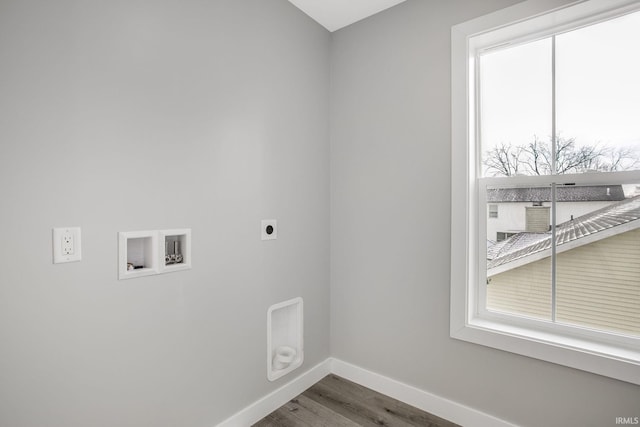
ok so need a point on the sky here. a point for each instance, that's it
(597, 87)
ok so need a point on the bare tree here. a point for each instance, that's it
(504, 159)
(618, 159)
(535, 158)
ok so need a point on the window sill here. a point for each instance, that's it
(604, 359)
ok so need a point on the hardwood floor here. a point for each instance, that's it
(337, 402)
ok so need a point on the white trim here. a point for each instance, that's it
(538, 19)
(534, 18)
(264, 406)
(588, 178)
(612, 360)
(421, 399)
(434, 404)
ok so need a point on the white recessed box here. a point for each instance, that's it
(174, 249)
(285, 346)
(137, 254)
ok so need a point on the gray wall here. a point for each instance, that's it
(127, 115)
(390, 225)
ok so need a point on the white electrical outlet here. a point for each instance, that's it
(67, 244)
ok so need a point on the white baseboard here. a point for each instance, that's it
(436, 405)
(263, 407)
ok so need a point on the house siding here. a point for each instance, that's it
(538, 219)
(598, 285)
(524, 290)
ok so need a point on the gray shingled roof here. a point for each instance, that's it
(525, 244)
(565, 193)
(515, 243)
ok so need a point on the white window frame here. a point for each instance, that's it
(608, 354)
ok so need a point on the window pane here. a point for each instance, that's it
(515, 110)
(597, 93)
(493, 211)
(598, 257)
(518, 252)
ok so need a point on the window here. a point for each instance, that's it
(493, 211)
(504, 235)
(544, 109)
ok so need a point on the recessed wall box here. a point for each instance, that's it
(175, 250)
(137, 254)
(285, 346)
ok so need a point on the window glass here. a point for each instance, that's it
(598, 257)
(493, 211)
(595, 71)
(518, 260)
(597, 93)
(597, 281)
(515, 109)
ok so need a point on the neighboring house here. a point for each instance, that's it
(514, 210)
(598, 270)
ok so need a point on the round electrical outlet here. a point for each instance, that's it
(269, 229)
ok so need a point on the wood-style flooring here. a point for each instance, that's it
(337, 402)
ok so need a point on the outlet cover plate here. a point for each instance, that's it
(269, 229)
(67, 244)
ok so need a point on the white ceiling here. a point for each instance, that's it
(335, 14)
